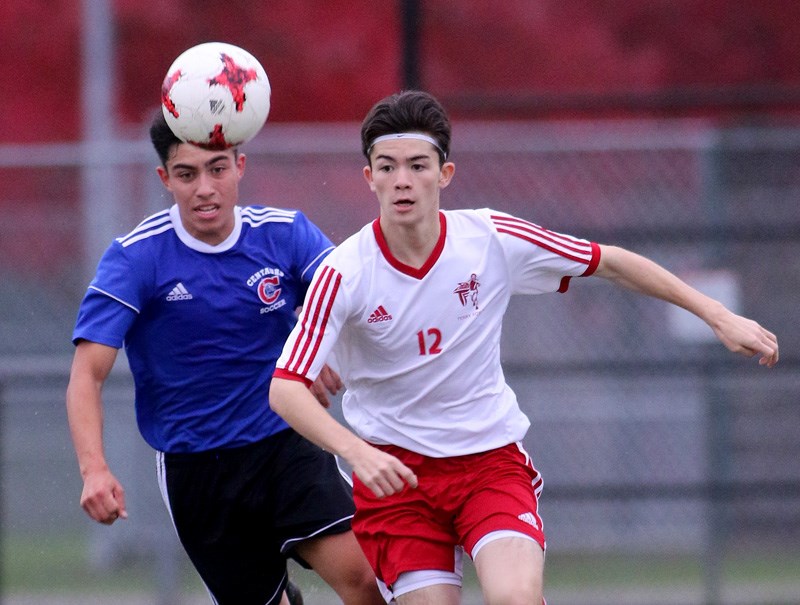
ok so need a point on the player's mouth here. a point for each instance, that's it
(404, 203)
(207, 210)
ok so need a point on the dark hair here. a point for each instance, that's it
(162, 137)
(407, 111)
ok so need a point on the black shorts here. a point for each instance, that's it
(240, 512)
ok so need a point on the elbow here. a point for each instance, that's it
(277, 399)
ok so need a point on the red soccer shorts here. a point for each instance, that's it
(459, 500)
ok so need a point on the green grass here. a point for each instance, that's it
(34, 564)
(59, 563)
(576, 571)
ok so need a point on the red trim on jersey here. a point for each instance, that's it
(594, 262)
(563, 245)
(287, 375)
(541, 244)
(325, 316)
(558, 243)
(408, 269)
(564, 286)
(316, 311)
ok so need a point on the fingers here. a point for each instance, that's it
(328, 382)
(103, 499)
(770, 358)
(109, 520)
(747, 337)
(387, 485)
(122, 511)
(767, 347)
(106, 514)
(331, 380)
(320, 394)
(384, 474)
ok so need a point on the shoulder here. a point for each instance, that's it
(148, 230)
(356, 252)
(471, 222)
(273, 222)
(265, 216)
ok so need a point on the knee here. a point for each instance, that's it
(363, 578)
(518, 596)
(358, 585)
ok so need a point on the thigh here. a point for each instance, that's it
(340, 562)
(439, 594)
(403, 532)
(232, 549)
(503, 489)
(511, 569)
(311, 497)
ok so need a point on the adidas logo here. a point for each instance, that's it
(379, 314)
(528, 518)
(179, 292)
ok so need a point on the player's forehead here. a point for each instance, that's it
(185, 154)
(399, 150)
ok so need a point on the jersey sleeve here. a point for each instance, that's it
(540, 260)
(112, 302)
(313, 336)
(311, 246)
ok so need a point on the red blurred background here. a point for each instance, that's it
(329, 61)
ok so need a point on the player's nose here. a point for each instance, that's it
(205, 184)
(402, 178)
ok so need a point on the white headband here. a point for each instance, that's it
(407, 135)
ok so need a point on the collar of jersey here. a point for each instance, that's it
(408, 269)
(200, 246)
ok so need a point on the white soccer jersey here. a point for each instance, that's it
(419, 349)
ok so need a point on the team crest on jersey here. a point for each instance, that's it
(268, 288)
(468, 291)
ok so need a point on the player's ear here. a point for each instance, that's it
(368, 177)
(446, 173)
(241, 160)
(163, 174)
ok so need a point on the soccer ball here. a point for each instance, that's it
(215, 96)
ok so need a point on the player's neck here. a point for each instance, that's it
(412, 244)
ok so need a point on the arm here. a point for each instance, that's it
(738, 334)
(382, 473)
(102, 498)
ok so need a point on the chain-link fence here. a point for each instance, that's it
(651, 437)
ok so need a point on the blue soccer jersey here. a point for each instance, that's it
(203, 325)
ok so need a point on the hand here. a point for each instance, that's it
(103, 498)
(328, 381)
(747, 337)
(382, 473)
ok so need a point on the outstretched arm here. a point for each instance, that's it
(102, 498)
(739, 334)
(382, 473)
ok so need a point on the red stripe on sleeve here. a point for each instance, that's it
(314, 320)
(307, 322)
(558, 243)
(324, 321)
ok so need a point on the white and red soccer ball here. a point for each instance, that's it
(215, 95)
